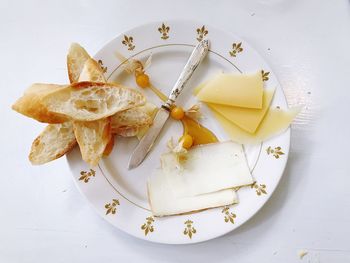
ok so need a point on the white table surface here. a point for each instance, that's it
(44, 218)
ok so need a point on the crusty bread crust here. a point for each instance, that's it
(30, 104)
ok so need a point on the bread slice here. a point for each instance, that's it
(92, 138)
(129, 120)
(88, 101)
(130, 132)
(76, 58)
(151, 110)
(92, 72)
(30, 104)
(134, 121)
(52, 143)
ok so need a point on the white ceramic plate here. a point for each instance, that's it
(119, 195)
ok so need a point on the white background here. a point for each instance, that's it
(43, 218)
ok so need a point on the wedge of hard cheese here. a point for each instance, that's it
(246, 118)
(240, 90)
(164, 202)
(275, 122)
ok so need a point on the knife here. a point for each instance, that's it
(147, 141)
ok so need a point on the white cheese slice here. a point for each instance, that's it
(208, 168)
(163, 201)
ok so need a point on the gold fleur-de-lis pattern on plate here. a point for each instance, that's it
(265, 75)
(201, 33)
(86, 175)
(164, 30)
(189, 229)
(236, 48)
(276, 152)
(128, 41)
(104, 69)
(148, 226)
(229, 216)
(259, 188)
(111, 208)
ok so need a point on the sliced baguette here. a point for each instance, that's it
(30, 104)
(92, 137)
(92, 72)
(56, 139)
(52, 143)
(89, 101)
(76, 58)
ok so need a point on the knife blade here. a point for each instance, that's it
(147, 141)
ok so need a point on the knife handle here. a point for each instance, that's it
(199, 52)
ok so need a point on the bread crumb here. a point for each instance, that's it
(302, 253)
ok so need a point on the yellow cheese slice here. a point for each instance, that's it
(240, 90)
(199, 87)
(275, 122)
(246, 118)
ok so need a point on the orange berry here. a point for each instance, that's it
(142, 80)
(177, 113)
(186, 140)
